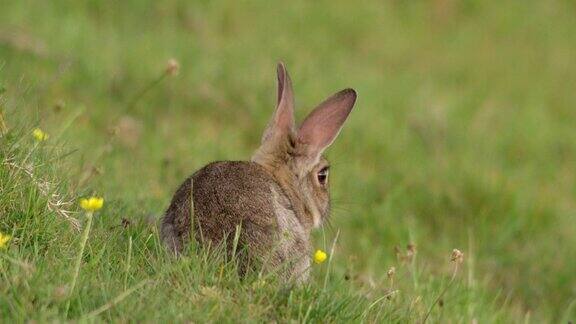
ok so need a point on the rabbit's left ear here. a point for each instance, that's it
(323, 124)
(282, 122)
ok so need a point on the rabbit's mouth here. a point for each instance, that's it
(316, 217)
(311, 207)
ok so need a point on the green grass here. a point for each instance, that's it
(463, 137)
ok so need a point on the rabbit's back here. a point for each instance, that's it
(228, 195)
(218, 198)
(232, 193)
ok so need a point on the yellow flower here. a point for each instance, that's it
(91, 204)
(4, 239)
(39, 135)
(320, 256)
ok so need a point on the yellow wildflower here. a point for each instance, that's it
(320, 256)
(4, 239)
(39, 135)
(91, 204)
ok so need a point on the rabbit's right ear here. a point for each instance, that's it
(282, 122)
(324, 123)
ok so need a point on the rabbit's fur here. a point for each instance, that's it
(275, 199)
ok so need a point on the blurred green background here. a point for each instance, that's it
(463, 135)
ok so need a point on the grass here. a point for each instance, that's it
(463, 137)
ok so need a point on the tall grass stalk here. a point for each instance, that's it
(171, 69)
(78, 263)
(330, 260)
(443, 292)
(128, 260)
(117, 299)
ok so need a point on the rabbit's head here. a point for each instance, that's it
(294, 155)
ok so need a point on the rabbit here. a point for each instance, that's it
(274, 200)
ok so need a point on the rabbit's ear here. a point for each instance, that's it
(323, 124)
(283, 120)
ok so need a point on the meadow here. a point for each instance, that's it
(463, 137)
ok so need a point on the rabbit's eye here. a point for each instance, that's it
(323, 176)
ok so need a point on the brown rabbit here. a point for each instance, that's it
(275, 199)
